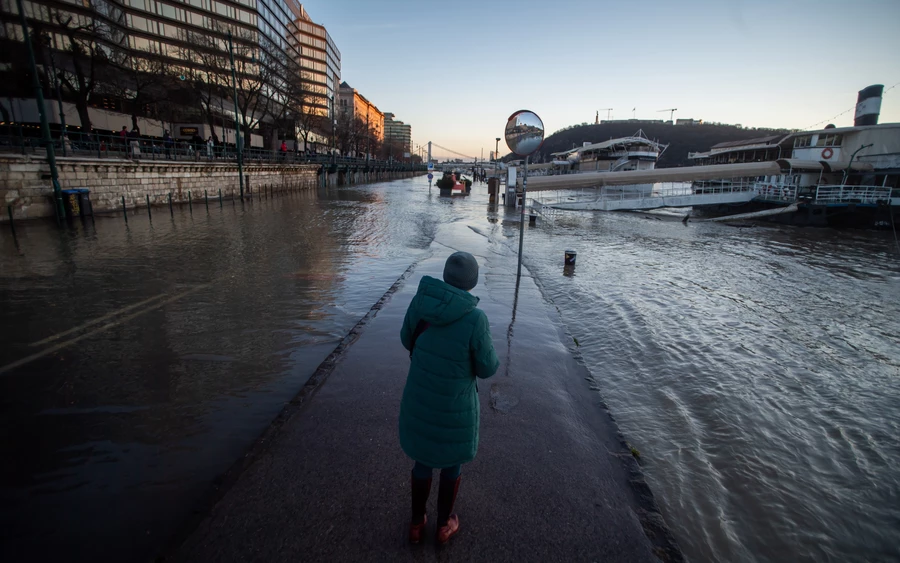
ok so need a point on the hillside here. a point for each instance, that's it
(680, 138)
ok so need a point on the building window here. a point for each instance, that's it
(801, 142)
(829, 140)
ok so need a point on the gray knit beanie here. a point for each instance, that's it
(461, 270)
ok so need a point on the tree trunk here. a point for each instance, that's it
(212, 124)
(82, 106)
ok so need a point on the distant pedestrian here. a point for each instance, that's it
(283, 150)
(450, 346)
(134, 141)
(197, 144)
(210, 148)
(123, 137)
(168, 143)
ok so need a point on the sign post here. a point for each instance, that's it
(524, 135)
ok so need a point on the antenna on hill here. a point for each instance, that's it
(671, 112)
(607, 110)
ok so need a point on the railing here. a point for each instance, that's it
(853, 194)
(648, 191)
(619, 163)
(149, 148)
(781, 192)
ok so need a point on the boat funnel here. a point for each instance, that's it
(868, 105)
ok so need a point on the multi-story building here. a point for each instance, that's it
(397, 133)
(174, 39)
(356, 106)
(320, 59)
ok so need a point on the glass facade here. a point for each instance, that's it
(280, 27)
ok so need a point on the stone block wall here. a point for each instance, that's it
(25, 181)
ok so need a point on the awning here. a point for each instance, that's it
(840, 166)
(684, 174)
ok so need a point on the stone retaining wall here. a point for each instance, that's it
(25, 181)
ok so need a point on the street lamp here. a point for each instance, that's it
(45, 126)
(850, 164)
(497, 151)
(237, 132)
(333, 128)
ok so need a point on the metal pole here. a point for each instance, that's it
(12, 225)
(149, 214)
(220, 198)
(237, 131)
(522, 224)
(333, 133)
(45, 126)
(206, 197)
(124, 209)
(62, 114)
(190, 203)
(171, 211)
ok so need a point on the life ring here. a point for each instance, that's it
(827, 153)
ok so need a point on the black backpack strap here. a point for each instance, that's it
(420, 328)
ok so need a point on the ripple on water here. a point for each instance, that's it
(756, 372)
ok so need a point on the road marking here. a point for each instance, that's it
(98, 320)
(67, 343)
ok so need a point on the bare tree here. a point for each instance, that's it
(310, 117)
(79, 73)
(208, 73)
(255, 76)
(141, 78)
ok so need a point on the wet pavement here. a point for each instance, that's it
(141, 359)
(552, 480)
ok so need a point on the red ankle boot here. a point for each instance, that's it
(420, 491)
(448, 524)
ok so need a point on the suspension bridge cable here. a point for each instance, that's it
(433, 144)
(846, 111)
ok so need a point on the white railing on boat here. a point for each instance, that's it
(853, 194)
(776, 191)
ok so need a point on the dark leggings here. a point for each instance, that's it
(423, 472)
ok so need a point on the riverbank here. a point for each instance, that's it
(26, 191)
(553, 480)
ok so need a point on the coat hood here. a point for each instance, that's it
(440, 303)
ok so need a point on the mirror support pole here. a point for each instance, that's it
(522, 222)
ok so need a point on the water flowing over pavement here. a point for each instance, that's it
(753, 368)
(549, 481)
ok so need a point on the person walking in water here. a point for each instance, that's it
(449, 340)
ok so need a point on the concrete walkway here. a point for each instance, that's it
(552, 480)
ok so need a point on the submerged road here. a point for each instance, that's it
(141, 360)
(552, 481)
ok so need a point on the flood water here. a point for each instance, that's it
(755, 369)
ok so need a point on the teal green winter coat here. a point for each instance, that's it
(439, 413)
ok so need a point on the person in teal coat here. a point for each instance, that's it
(450, 346)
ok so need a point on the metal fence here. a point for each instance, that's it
(95, 145)
(853, 194)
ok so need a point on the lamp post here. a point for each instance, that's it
(62, 114)
(497, 151)
(237, 131)
(45, 126)
(850, 164)
(333, 129)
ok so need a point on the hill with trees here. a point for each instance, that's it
(681, 139)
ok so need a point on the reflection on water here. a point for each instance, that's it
(755, 369)
(115, 436)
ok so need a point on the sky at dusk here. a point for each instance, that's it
(455, 70)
